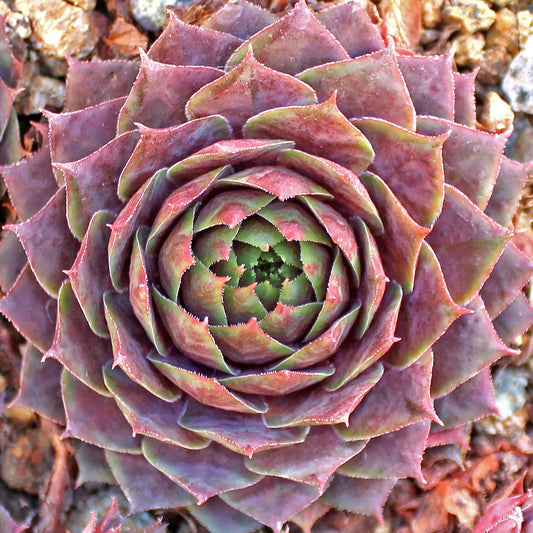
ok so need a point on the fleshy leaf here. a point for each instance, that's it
(371, 85)
(12, 260)
(465, 97)
(247, 90)
(243, 433)
(410, 164)
(467, 244)
(48, 243)
(319, 129)
(144, 486)
(160, 105)
(293, 43)
(84, 408)
(92, 464)
(285, 499)
(321, 406)
(418, 331)
(313, 462)
(202, 473)
(206, 390)
(399, 399)
(515, 319)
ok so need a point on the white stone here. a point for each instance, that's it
(518, 82)
(150, 14)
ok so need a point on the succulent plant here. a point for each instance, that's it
(267, 269)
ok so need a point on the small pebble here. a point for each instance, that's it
(468, 49)
(19, 414)
(496, 113)
(525, 26)
(520, 146)
(86, 5)
(510, 390)
(150, 14)
(518, 82)
(494, 65)
(504, 31)
(431, 12)
(472, 15)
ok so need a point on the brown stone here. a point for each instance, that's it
(472, 15)
(504, 31)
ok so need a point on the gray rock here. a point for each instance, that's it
(518, 82)
(150, 14)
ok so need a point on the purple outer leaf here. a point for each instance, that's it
(149, 415)
(159, 148)
(183, 44)
(91, 83)
(92, 464)
(469, 345)
(206, 390)
(285, 499)
(9, 525)
(77, 134)
(402, 238)
(92, 182)
(48, 243)
(371, 495)
(410, 164)
(471, 157)
(313, 462)
(319, 129)
(89, 274)
(75, 346)
(83, 410)
(38, 388)
(30, 310)
(418, 331)
(246, 91)
(429, 80)
(515, 319)
(465, 98)
(294, 43)
(467, 244)
(355, 356)
(221, 518)
(242, 433)
(470, 401)
(144, 486)
(507, 191)
(351, 25)
(510, 274)
(399, 399)
(12, 260)
(320, 406)
(370, 85)
(397, 454)
(202, 473)
(159, 105)
(31, 174)
(131, 347)
(276, 383)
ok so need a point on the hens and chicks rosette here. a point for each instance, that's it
(267, 269)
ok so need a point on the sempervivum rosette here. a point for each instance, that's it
(286, 276)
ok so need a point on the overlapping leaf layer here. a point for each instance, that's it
(266, 267)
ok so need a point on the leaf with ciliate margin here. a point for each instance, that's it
(75, 346)
(160, 105)
(469, 345)
(467, 244)
(286, 498)
(89, 274)
(371, 85)
(396, 454)
(202, 473)
(320, 406)
(12, 260)
(410, 164)
(465, 97)
(243, 433)
(419, 330)
(48, 243)
(294, 43)
(515, 319)
(131, 347)
(92, 464)
(400, 398)
(207, 390)
(149, 415)
(183, 44)
(159, 148)
(356, 495)
(470, 401)
(319, 129)
(248, 89)
(312, 462)
(84, 410)
(144, 486)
